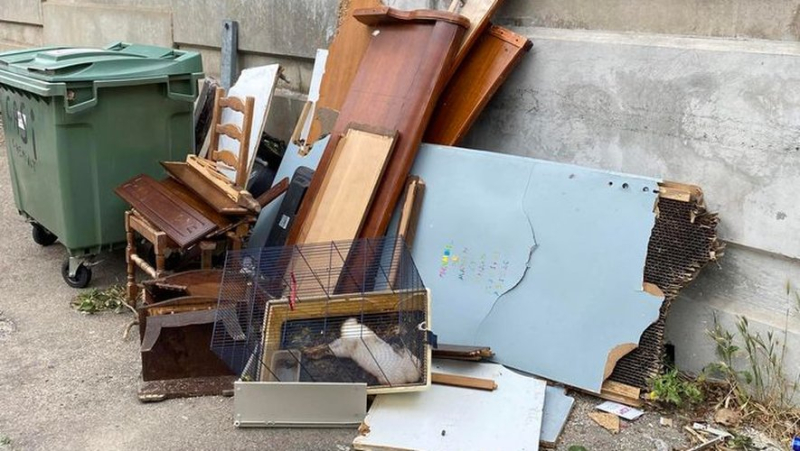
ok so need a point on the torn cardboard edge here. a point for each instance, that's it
(681, 216)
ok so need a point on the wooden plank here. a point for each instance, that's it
(385, 15)
(409, 215)
(400, 80)
(483, 71)
(396, 87)
(182, 223)
(346, 192)
(203, 188)
(621, 393)
(478, 12)
(209, 170)
(455, 380)
(679, 191)
(459, 352)
(344, 56)
(273, 193)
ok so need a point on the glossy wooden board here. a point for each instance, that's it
(344, 56)
(482, 72)
(346, 192)
(478, 12)
(180, 221)
(397, 85)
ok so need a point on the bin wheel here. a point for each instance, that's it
(82, 276)
(42, 236)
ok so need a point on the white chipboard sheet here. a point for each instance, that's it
(259, 83)
(448, 418)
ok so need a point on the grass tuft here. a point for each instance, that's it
(95, 300)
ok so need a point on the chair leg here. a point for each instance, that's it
(132, 289)
(206, 253)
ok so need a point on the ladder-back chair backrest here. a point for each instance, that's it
(241, 134)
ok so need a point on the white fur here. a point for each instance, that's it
(359, 343)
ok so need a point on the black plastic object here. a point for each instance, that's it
(261, 178)
(81, 279)
(289, 207)
(42, 236)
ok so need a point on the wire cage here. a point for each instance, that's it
(354, 311)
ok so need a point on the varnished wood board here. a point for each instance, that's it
(489, 63)
(338, 210)
(478, 12)
(181, 222)
(344, 56)
(398, 82)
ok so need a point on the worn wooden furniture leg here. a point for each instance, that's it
(237, 236)
(132, 289)
(206, 252)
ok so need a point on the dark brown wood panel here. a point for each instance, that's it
(180, 221)
(397, 85)
(483, 71)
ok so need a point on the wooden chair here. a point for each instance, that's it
(235, 189)
(230, 228)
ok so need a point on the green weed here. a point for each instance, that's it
(95, 301)
(674, 389)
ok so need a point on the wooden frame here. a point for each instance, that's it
(242, 135)
(209, 168)
(279, 312)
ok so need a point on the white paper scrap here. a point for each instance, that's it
(622, 411)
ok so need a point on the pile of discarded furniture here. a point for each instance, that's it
(389, 280)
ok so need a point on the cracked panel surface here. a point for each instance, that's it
(473, 239)
(582, 295)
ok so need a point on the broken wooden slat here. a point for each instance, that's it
(489, 63)
(203, 188)
(273, 193)
(463, 381)
(621, 393)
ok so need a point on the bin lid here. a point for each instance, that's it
(118, 61)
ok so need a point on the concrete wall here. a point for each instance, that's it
(762, 19)
(696, 91)
(723, 114)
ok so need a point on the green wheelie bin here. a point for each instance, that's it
(79, 122)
